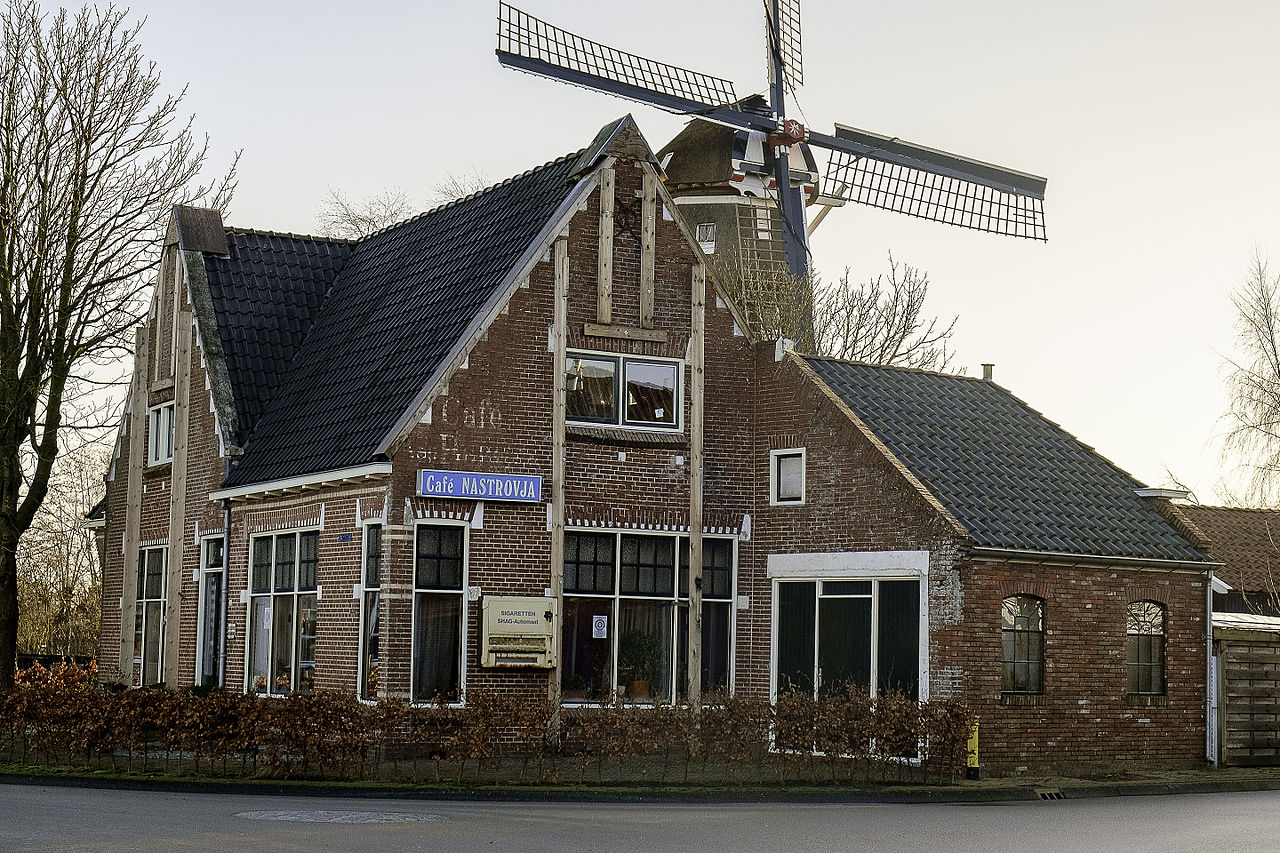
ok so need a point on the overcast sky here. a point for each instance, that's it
(1155, 123)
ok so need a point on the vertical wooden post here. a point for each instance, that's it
(133, 500)
(697, 365)
(648, 231)
(559, 395)
(604, 263)
(177, 501)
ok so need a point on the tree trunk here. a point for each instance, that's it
(8, 606)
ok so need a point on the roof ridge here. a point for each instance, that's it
(1229, 508)
(898, 367)
(466, 198)
(259, 232)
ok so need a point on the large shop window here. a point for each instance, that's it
(211, 617)
(623, 391)
(148, 624)
(438, 577)
(370, 630)
(282, 620)
(625, 628)
(1022, 632)
(1145, 630)
(836, 633)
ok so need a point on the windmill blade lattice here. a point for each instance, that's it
(546, 49)
(789, 43)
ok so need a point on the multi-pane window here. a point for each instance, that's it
(438, 612)
(626, 615)
(620, 390)
(148, 625)
(837, 633)
(211, 616)
(1145, 630)
(1022, 633)
(370, 631)
(786, 476)
(160, 432)
(282, 620)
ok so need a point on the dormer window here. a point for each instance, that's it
(160, 434)
(623, 391)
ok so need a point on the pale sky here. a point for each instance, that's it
(1155, 123)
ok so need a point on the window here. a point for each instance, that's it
(1145, 639)
(438, 612)
(211, 619)
(786, 477)
(706, 236)
(650, 391)
(625, 627)
(370, 662)
(282, 620)
(148, 625)
(836, 633)
(1023, 637)
(160, 443)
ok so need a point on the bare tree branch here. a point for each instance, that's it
(1253, 380)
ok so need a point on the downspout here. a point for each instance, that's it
(1211, 727)
(226, 592)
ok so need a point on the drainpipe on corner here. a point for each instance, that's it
(1211, 745)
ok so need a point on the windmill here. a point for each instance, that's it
(862, 167)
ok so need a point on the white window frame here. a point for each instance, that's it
(851, 566)
(461, 701)
(620, 382)
(365, 589)
(708, 242)
(155, 421)
(203, 572)
(250, 595)
(140, 610)
(616, 597)
(774, 456)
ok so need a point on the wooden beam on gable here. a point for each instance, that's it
(133, 499)
(648, 234)
(176, 577)
(697, 383)
(604, 263)
(560, 400)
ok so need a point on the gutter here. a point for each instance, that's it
(304, 481)
(1077, 559)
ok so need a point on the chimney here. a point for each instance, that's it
(986, 372)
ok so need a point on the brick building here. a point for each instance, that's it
(337, 455)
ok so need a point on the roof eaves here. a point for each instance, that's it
(880, 447)
(555, 224)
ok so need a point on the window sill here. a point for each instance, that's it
(156, 469)
(620, 435)
(1024, 700)
(1146, 700)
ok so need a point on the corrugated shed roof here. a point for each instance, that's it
(1012, 477)
(400, 303)
(266, 292)
(1247, 541)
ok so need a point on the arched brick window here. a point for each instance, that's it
(1145, 640)
(1022, 631)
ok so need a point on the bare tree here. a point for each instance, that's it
(341, 216)
(59, 579)
(879, 321)
(92, 158)
(1253, 380)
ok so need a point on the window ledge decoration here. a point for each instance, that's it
(618, 435)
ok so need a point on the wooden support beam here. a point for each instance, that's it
(133, 500)
(626, 333)
(648, 234)
(559, 395)
(604, 263)
(177, 501)
(697, 384)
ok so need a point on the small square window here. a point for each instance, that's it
(160, 429)
(786, 477)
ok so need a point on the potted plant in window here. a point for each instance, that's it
(639, 663)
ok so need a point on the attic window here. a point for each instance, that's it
(786, 477)
(707, 237)
(623, 391)
(160, 434)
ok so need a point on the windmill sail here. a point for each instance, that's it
(531, 44)
(881, 171)
(789, 44)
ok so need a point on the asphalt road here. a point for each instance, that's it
(52, 818)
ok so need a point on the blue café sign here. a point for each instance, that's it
(486, 487)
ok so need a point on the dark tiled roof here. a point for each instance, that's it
(265, 294)
(401, 302)
(1013, 478)
(1246, 540)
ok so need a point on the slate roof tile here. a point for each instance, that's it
(1012, 477)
